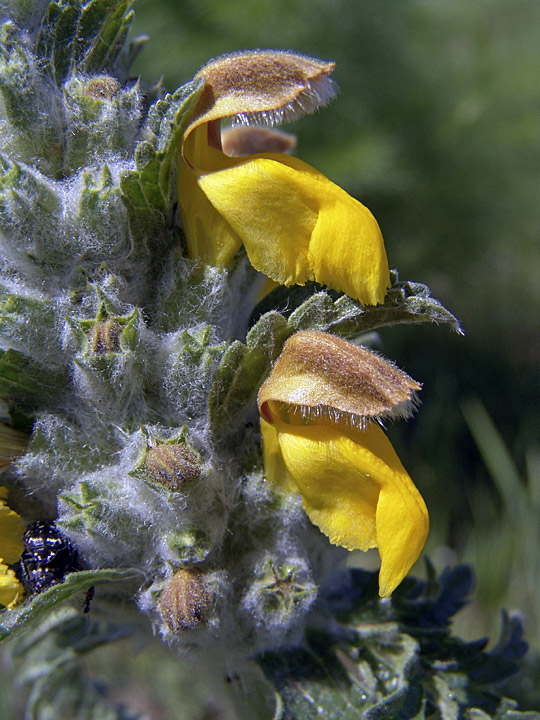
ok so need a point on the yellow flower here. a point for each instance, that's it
(317, 409)
(294, 223)
(11, 547)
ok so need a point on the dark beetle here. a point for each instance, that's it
(48, 556)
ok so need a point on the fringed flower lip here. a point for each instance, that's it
(262, 87)
(295, 224)
(318, 408)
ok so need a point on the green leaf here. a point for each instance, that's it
(367, 678)
(82, 35)
(396, 660)
(18, 95)
(25, 318)
(25, 196)
(507, 710)
(13, 622)
(23, 381)
(243, 369)
(102, 32)
(327, 311)
(50, 658)
(149, 190)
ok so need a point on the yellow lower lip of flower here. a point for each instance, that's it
(11, 590)
(11, 531)
(354, 488)
(11, 548)
(295, 224)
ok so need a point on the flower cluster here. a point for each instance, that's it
(322, 402)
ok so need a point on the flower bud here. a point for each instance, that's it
(105, 337)
(171, 465)
(185, 602)
(280, 589)
(324, 379)
(102, 88)
(106, 333)
(190, 544)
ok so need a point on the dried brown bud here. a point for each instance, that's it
(262, 87)
(185, 602)
(102, 88)
(171, 465)
(240, 140)
(322, 378)
(105, 337)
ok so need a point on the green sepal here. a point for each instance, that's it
(101, 212)
(280, 588)
(149, 190)
(25, 195)
(110, 357)
(173, 460)
(125, 341)
(15, 621)
(103, 119)
(82, 35)
(190, 544)
(87, 506)
(195, 356)
(207, 288)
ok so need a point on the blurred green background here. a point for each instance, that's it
(437, 130)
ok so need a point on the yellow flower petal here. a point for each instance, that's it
(274, 466)
(357, 492)
(209, 236)
(11, 590)
(297, 226)
(11, 531)
(338, 495)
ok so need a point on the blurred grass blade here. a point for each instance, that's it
(496, 456)
(532, 460)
